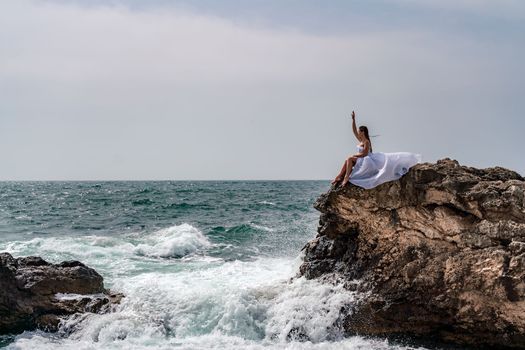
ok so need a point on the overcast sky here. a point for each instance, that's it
(203, 90)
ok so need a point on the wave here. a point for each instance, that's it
(187, 206)
(261, 227)
(143, 201)
(237, 230)
(308, 310)
(174, 242)
(234, 305)
(102, 251)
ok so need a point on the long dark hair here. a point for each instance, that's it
(364, 129)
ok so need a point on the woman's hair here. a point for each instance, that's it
(364, 129)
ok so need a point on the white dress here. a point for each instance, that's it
(378, 168)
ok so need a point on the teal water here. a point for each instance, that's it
(203, 264)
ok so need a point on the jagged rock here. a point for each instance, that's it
(35, 293)
(440, 251)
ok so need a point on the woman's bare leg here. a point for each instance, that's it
(349, 167)
(339, 176)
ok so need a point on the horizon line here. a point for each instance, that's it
(166, 180)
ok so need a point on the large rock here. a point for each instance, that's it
(439, 253)
(35, 293)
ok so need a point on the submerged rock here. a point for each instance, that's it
(440, 253)
(35, 293)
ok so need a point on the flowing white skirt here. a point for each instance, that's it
(378, 168)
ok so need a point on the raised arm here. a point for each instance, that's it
(354, 128)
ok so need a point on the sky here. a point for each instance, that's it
(255, 90)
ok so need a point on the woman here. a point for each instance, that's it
(367, 169)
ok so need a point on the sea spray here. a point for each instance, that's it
(174, 241)
(250, 303)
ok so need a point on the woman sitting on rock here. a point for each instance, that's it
(367, 169)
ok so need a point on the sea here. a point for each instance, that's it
(202, 264)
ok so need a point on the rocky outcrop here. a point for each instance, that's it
(438, 253)
(35, 293)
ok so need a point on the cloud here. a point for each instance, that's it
(507, 9)
(70, 43)
(106, 92)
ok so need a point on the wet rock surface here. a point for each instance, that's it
(35, 293)
(440, 253)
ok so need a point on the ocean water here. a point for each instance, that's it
(203, 264)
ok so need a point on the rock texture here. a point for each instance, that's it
(35, 293)
(440, 253)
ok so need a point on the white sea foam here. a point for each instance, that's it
(115, 255)
(261, 227)
(204, 342)
(175, 241)
(308, 308)
(226, 305)
(196, 302)
(73, 296)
